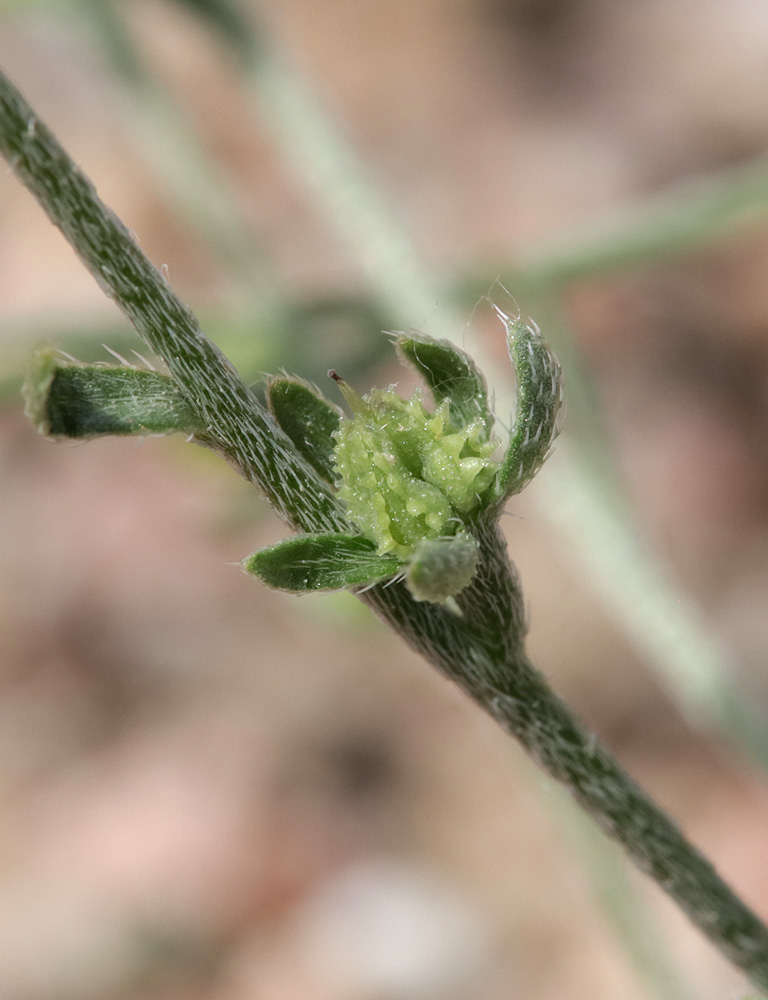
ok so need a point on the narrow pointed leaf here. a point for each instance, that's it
(308, 420)
(450, 374)
(321, 562)
(68, 400)
(539, 397)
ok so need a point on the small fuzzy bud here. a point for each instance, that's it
(440, 568)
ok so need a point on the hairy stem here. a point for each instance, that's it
(230, 417)
(483, 653)
(482, 649)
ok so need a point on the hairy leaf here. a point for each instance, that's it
(83, 401)
(320, 562)
(450, 374)
(308, 420)
(539, 397)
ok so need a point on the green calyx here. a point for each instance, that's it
(413, 479)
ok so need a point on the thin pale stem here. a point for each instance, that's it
(663, 622)
(482, 649)
(684, 218)
(627, 911)
(192, 178)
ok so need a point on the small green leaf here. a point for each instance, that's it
(440, 568)
(450, 374)
(308, 420)
(321, 562)
(539, 397)
(74, 400)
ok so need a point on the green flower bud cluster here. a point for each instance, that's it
(414, 481)
(406, 473)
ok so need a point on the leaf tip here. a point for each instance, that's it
(36, 389)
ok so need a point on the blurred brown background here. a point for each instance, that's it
(209, 791)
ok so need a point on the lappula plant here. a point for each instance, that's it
(414, 481)
(400, 503)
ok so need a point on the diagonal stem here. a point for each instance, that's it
(487, 660)
(211, 387)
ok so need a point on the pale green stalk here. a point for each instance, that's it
(663, 620)
(687, 216)
(482, 650)
(314, 150)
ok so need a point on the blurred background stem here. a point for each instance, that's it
(192, 178)
(685, 217)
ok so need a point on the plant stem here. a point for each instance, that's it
(207, 381)
(483, 653)
(481, 650)
(685, 217)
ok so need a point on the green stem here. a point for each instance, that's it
(206, 380)
(480, 650)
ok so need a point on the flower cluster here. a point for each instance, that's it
(405, 472)
(414, 480)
